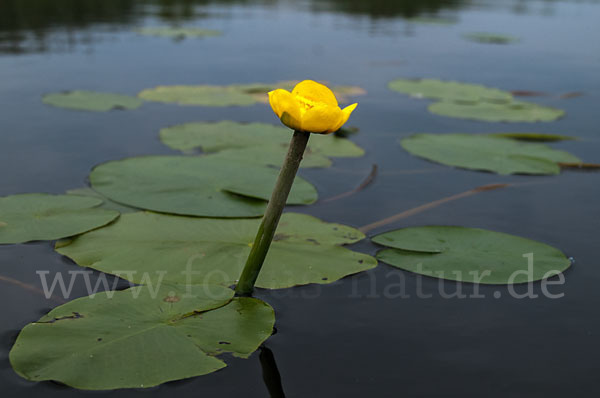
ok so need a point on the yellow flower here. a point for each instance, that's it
(310, 107)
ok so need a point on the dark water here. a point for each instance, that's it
(350, 338)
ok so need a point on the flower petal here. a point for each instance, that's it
(345, 115)
(286, 107)
(315, 92)
(321, 119)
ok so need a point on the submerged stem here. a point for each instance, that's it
(267, 228)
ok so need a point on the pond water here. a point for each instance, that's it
(355, 337)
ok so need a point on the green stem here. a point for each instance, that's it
(267, 228)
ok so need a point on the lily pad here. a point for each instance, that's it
(535, 137)
(91, 101)
(469, 255)
(449, 90)
(255, 142)
(490, 38)
(517, 111)
(38, 216)
(213, 251)
(198, 95)
(177, 32)
(140, 337)
(231, 95)
(197, 186)
(487, 152)
(106, 203)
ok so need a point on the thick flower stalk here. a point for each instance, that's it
(310, 108)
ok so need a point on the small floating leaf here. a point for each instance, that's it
(207, 250)
(486, 152)
(177, 33)
(255, 143)
(38, 216)
(517, 111)
(91, 101)
(198, 186)
(449, 90)
(140, 337)
(490, 38)
(469, 255)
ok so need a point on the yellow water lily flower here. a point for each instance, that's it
(310, 107)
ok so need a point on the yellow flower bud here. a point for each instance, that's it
(310, 107)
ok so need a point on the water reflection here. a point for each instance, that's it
(270, 373)
(41, 25)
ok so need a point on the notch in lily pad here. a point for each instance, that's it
(470, 255)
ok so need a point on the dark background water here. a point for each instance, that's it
(349, 338)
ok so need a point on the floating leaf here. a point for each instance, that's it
(469, 255)
(490, 38)
(445, 21)
(198, 95)
(198, 186)
(485, 152)
(232, 95)
(140, 337)
(38, 216)
(204, 250)
(91, 101)
(449, 90)
(177, 33)
(255, 142)
(106, 203)
(517, 111)
(535, 137)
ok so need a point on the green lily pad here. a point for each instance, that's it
(204, 250)
(449, 90)
(469, 255)
(140, 337)
(198, 95)
(255, 142)
(535, 137)
(106, 203)
(517, 111)
(490, 38)
(91, 101)
(231, 95)
(177, 33)
(38, 216)
(197, 186)
(487, 152)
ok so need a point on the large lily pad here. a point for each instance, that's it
(91, 101)
(255, 142)
(490, 38)
(469, 255)
(38, 216)
(177, 32)
(197, 186)
(203, 250)
(487, 152)
(517, 111)
(449, 90)
(231, 95)
(140, 337)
